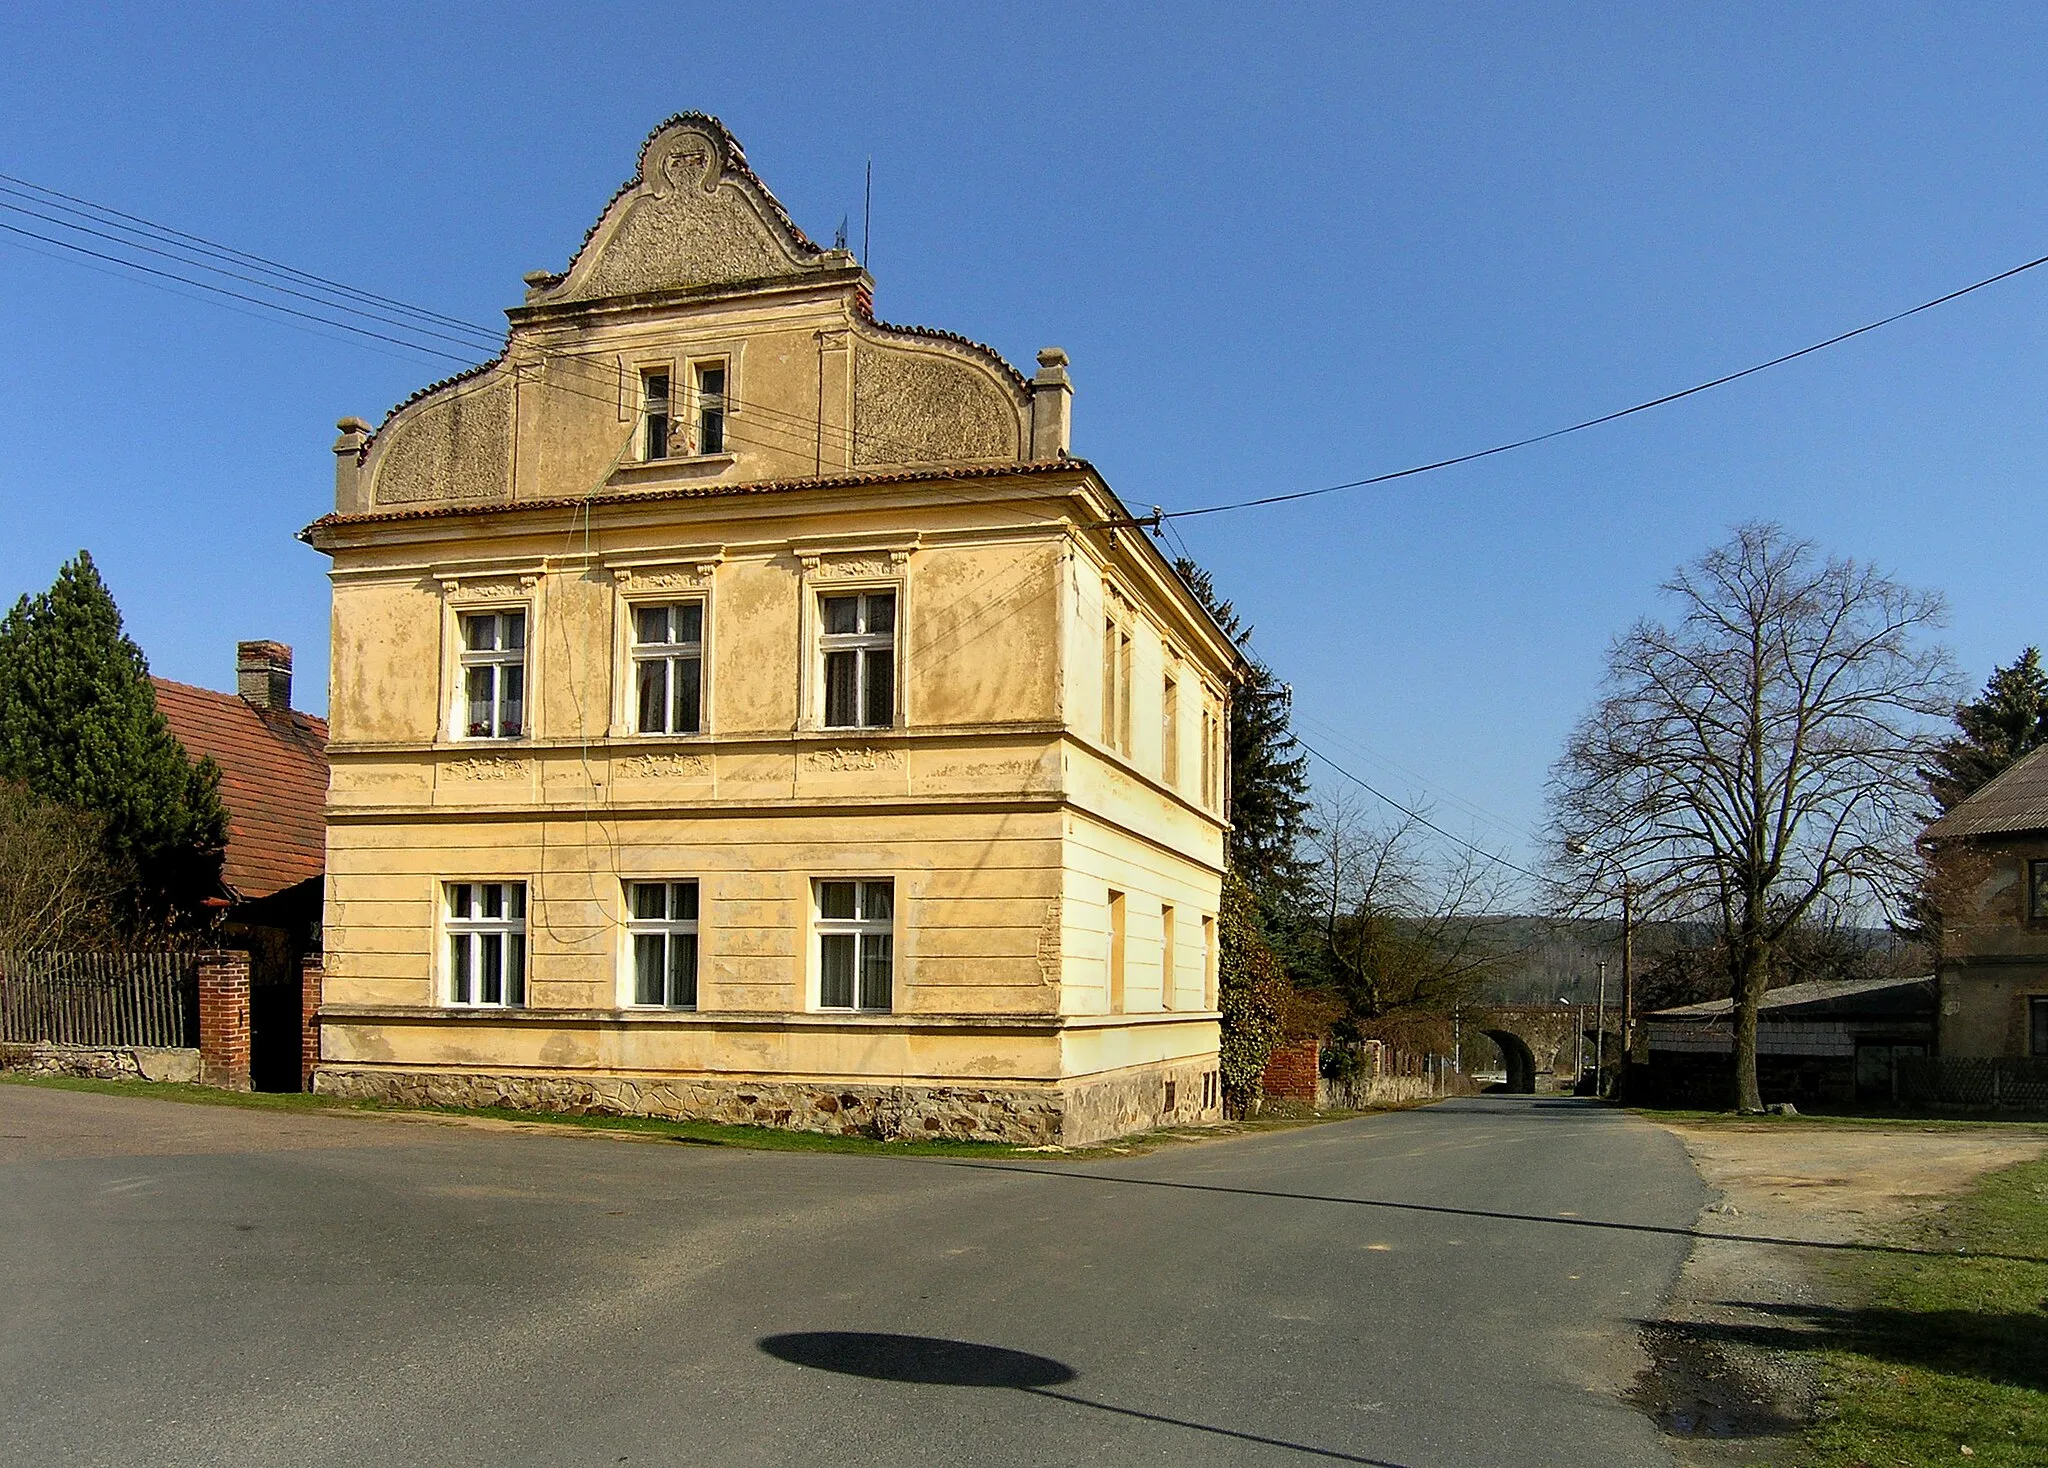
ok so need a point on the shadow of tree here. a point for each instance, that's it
(2003, 1348)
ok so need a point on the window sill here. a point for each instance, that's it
(657, 471)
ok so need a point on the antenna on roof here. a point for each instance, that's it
(867, 214)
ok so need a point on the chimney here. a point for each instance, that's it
(1052, 407)
(263, 674)
(348, 466)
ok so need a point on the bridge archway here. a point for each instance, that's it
(1520, 1061)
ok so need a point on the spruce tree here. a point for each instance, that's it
(1268, 772)
(79, 726)
(2007, 720)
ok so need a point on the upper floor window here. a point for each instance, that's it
(486, 927)
(856, 944)
(1116, 685)
(859, 646)
(668, 668)
(654, 412)
(1169, 725)
(663, 926)
(711, 408)
(1212, 755)
(2037, 890)
(494, 674)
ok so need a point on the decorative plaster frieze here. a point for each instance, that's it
(849, 760)
(664, 767)
(486, 767)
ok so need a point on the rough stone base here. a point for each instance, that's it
(1072, 1114)
(104, 1063)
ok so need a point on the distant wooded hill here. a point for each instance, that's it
(1544, 960)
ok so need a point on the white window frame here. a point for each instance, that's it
(497, 658)
(643, 417)
(702, 403)
(466, 949)
(862, 644)
(668, 928)
(639, 653)
(865, 931)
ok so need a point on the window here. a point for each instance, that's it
(1168, 974)
(1169, 726)
(663, 924)
(711, 408)
(494, 674)
(1212, 754)
(2037, 1027)
(1208, 963)
(668, 668)
(856, 944)
(1116, 685)
(859, 643)
(1117, 934)
(654, 411)
(2037, 890)
(487, 944)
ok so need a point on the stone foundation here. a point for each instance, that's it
(103, 1062)
(1071, 1113)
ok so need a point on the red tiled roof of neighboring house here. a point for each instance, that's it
(273, 780)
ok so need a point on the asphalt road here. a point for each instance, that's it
(203, 1285)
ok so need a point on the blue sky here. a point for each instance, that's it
(1284, 247)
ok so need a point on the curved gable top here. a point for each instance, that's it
(694, 215)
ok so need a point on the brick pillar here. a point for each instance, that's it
(312, 971)
(224, 1019)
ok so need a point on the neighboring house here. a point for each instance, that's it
(1827, 1042)
(1991, 861)
(745, 709)
(273, 764)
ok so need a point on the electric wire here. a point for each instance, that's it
(1417, 816)
(1642, 407)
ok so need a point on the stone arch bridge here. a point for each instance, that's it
(1538, 1039)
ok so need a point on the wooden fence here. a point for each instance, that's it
(100, 999)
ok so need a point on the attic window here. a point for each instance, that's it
(654, 409)
(711, 408)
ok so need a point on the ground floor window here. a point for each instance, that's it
(486, 925)
(2038, 1026)
(663, 926)
(856, 944)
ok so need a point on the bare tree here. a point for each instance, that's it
(58, 889)
(1399, 926)
(1756, 756)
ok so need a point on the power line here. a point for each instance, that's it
(1642, 407)
(1415, 815)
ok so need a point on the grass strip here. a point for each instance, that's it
(1945, 1357)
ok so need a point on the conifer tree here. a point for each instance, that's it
(79, 726)
(2007, 720)
(1269, 801)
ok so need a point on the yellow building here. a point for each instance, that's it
(744, 709)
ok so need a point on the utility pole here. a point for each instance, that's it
(1628, 978)
(1600, 1032)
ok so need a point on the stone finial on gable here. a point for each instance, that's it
(350, 492)
(1052, 407)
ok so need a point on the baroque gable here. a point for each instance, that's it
(694, 215)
